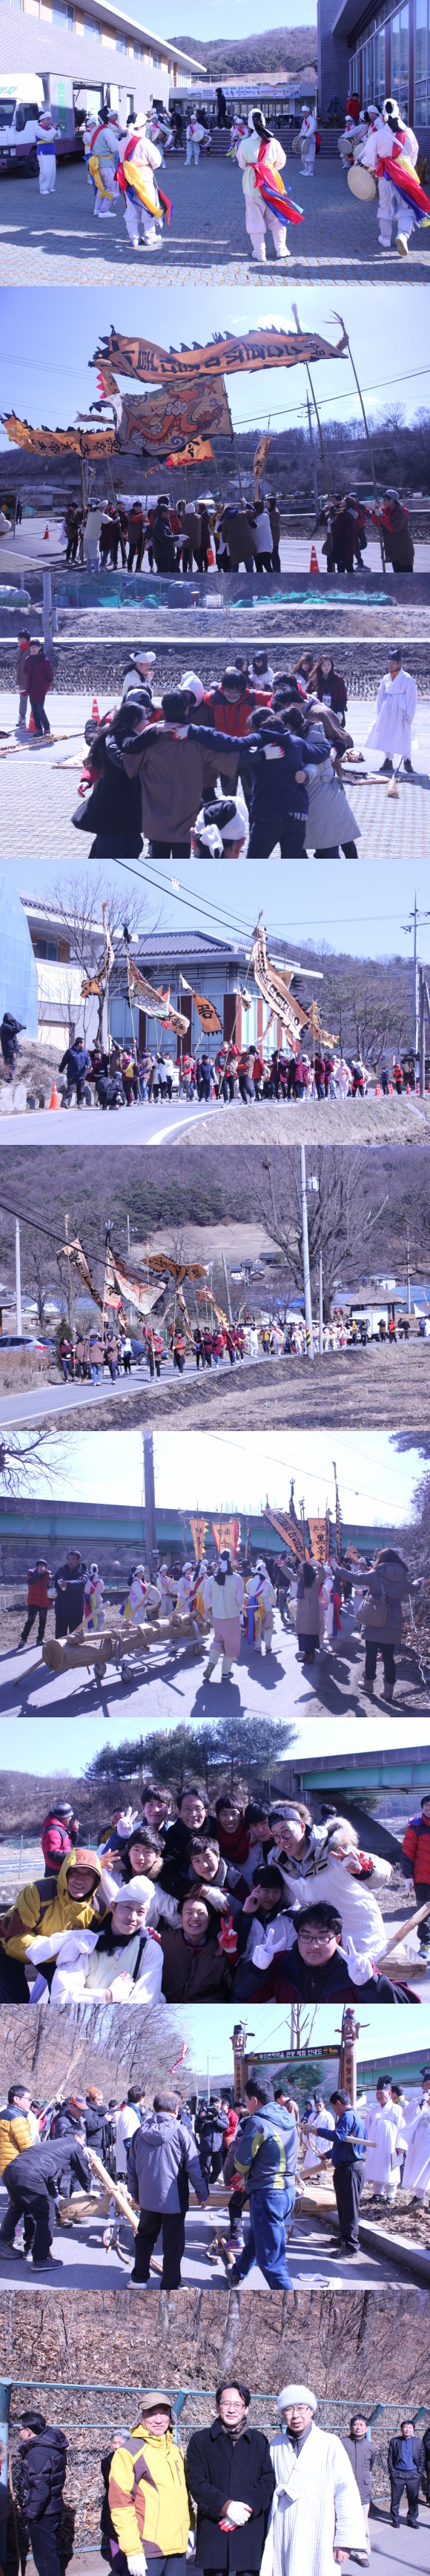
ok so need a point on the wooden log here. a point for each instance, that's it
(118, 2190)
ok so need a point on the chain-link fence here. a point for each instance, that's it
(94, 2417)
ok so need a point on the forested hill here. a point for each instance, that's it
(279, 49)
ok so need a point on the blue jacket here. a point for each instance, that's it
(267, 2148)
(348, 2143)
(75, 1063)
(273, 782)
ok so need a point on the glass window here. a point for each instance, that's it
(92, 29)
(400, 59)
(62, 16)
(137, 51)
(121, 44)
(421, 51)
(379, 63)
(367, 73)
(156, 62)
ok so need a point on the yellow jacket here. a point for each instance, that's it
(148, 2495)
(33, 1912)
(15, 2133)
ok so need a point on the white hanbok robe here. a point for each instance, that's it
(307, 140)
(396, 704)
(384, 2126)
(258, 219)
(316, 2507)
(416, 2176)
(316, 2146)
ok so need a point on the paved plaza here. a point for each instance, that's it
(41, 784)
(64, 246)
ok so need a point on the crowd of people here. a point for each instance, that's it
(254, 761)
(199, 536)
(239, 1601)
(381, 156)
(258, 2154)
(300, 2500)
(260, 1902)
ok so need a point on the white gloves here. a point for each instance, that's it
(137, 2565)
(237, 2513)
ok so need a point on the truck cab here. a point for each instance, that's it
(21, 102)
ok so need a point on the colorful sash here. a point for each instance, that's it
(135, 185)
(403, 176)
(273, 192)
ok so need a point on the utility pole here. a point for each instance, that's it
(422, 1030)
(47, 612)
(416, 991)
(313, 465)
(149, 1484)
(320, 1304)
(227, 1290)
(18, 1277)
(310, 1353)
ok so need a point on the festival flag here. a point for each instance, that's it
(198, 1527)
(233, 354)
(206, 1012)
(275, 985)
(318, 1540)
(198, 452)
(134, 1290)
(73, 1252)
(158, 1005)
(227, 1534)
(58, 442)
(290, 1530)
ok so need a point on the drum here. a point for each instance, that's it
(362, 183)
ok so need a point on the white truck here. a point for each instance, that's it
(21, 99)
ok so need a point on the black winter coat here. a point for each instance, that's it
(218, 2468)
(394, 2461)
(43, 2464)
(47, 2164)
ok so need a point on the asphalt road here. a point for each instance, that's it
(84, 2263)
(146, 1124)
(393, 2554)
(49, 1403)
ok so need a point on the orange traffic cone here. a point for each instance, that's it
(32, 727)
(391, 1090)
(95, 711)
(314, 565)
(55, 1102)
(46, 534)
(377, 1091)
(408, 1086)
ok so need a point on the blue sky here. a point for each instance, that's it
(342, 903)
(270, 2026)
(238, 1472)
(241, 18)
(47, 342)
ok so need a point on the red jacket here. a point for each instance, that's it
(38, 675)
(416, 1851)
(39, 1586)
(56, 1840)
(228, 718)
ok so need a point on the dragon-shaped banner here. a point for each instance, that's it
(230, 355)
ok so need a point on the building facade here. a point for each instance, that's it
(102, 50)
(379, 53)
(211, 966)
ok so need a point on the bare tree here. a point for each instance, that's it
(80, 903)
(340, 1220)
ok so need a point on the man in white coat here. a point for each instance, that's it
(307, 141)
(416, 2171)
(195, 133)
(46, 135)
(259, 219)
(316, 2515)
(384, 2126)
(396, 704)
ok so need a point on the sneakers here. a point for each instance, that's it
(407, 765)
(387, 769)
(46, 2263)
(402, 245)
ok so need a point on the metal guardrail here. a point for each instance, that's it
(193, 2408)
